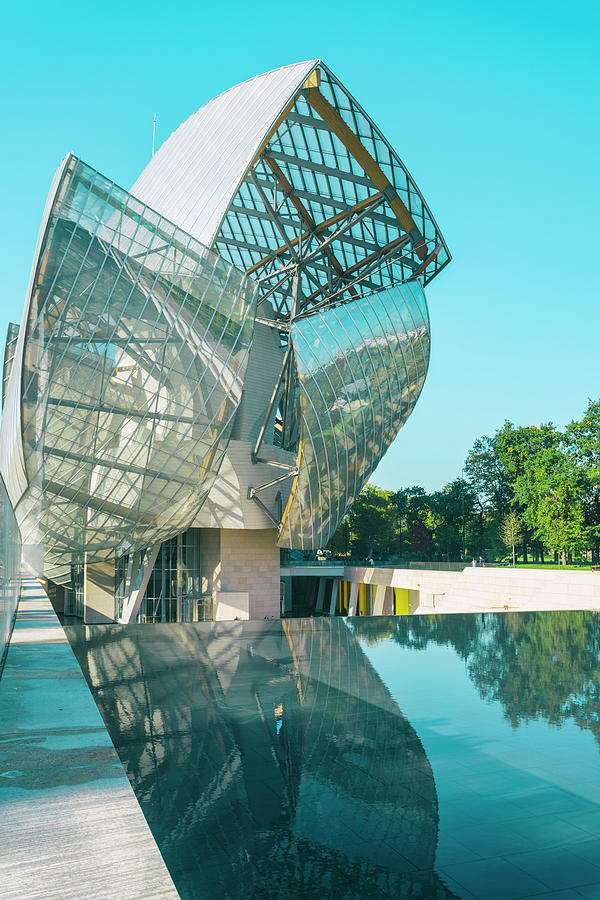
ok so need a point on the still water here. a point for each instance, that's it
(410, 757)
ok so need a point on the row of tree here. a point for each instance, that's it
(527, 491)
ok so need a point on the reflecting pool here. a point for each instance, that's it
(412, 757)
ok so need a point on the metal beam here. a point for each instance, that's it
(267, 511)
(133, 601)
(272, 402)
(366, 204)
(379, 257)
(334, 593)
(253, 491)
(320, 595)
(332, 202)
(340, 174)
(302, 211)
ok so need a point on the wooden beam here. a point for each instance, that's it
(370, 167)
(426, 262)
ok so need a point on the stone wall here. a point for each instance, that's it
(237, 561)
(99, 593)
(250, 562)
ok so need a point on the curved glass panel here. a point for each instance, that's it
(10, 569)
(9, 353)
(136, 347)
(361, 367)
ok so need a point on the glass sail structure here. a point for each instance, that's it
(135, 350)
(232, 344)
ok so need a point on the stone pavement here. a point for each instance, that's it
(70, 825)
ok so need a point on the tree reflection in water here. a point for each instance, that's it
(536, 664)
(269, 758)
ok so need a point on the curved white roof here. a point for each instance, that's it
(192, 177)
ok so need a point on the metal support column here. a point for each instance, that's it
(334, 593)
(320, 595)
(379, 600)
(353, 599)
(133, 601)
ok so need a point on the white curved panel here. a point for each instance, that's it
(193, 176)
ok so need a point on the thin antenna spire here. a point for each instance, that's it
(153, 133)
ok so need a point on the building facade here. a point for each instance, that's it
(210, 366)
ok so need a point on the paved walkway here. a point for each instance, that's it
(70, 825)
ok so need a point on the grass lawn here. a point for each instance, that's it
(553, 567)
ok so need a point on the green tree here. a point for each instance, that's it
(488, 476)
(512, 531)
(492, 487)
(450, 512)
(339, 542)
(551, 489)
(559, 511)
(372, 520)
(408, 504)
(583, 441)
(520, 452)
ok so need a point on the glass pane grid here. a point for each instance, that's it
(361, 366)
(135, 357)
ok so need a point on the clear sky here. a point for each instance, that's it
(493, 107)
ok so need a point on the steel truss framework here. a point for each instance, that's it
(327, 214)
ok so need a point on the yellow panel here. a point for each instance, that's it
(401, 601)
(362, 599)
(314, 79)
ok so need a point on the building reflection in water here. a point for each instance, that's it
(269, 758)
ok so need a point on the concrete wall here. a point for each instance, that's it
(425, 586)
(228, 506)
(477, 590)
(232, 605)
(99, 593)
(486, 589)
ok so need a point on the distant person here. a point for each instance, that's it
(481, 561)
(473, 562)
(369, 560)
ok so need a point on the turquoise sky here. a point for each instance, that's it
(493, 107)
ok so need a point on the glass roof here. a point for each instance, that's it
(328, 210)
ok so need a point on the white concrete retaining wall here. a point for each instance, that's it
(521, 589)
(489, 588)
